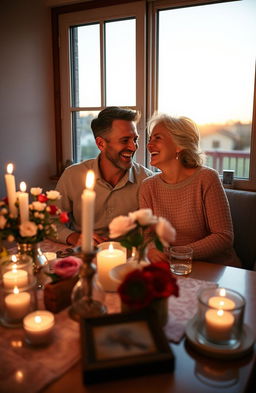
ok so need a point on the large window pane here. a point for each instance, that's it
(86, 66)
(83, 139)
(120, 62)
(206, 71)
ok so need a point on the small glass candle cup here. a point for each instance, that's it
(109, 255)
(17, 271)
(181, 260)
(16, 303)
(220, 317)
(38, 327)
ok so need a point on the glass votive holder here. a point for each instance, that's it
(16, 303)
(220, 317)
(38, 327)
(17, 271)
(109, 255)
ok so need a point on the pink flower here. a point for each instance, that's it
(67, 267)
(120, 226)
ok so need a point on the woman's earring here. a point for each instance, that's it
(177, 155)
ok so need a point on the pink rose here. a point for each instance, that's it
(67, 267)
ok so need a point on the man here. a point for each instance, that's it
(117, 176)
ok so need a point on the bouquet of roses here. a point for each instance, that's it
(140, 228)
(142, 286)
(43, 214)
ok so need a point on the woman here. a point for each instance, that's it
(187, 193)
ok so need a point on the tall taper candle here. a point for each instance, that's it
(23, 203)
(88, 200)
(11, 189)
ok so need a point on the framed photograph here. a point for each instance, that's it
(123, 345)
(228, 177)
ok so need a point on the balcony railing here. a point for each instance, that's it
(238, 160)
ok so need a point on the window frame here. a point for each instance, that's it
(108, 13)
(146, 95)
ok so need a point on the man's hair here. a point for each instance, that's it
(102, 124)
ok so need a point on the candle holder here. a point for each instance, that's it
(220, 317)
(16, 303)
(17, 271)
(87, 296)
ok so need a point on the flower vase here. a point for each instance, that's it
(38, 258)
(157, 309)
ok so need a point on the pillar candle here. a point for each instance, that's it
(15, 278)
(218, 325)
(17, 304)
(23, 203)
(106, 260)
(11, 189)
(38, 327)
(88, 201)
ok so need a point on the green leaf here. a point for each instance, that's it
(159, 245)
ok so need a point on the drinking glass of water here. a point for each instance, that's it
(181, 260)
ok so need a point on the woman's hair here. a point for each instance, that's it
(185, 134)
(103, 123)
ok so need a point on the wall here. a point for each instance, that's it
(27, 136)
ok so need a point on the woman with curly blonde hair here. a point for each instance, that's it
(187, 193)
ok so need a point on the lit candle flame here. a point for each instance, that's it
(14, 268)
(111, 248)
(220, 313)
(90, 180)
(222, 292)
(38, 319)
(16, 290)
(23, 186)
(14, 258)
(10, 168)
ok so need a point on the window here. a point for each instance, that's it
(200, 63)
(100, 67)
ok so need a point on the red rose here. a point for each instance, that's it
(136, 290)
(53, 209)
(63, 217)
(164, 284)
(42, 198)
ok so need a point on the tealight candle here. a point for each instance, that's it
(17, 304)
(38, 327)
(218, 325)
(15, 278)
(107, 259)
(221, 302)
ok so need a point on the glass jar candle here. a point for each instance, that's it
(17, 271)
(220, 317)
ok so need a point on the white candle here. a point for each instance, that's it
(38, 326)
(15, 278)
(11, 189)
(221, 302)
(88, 200)
(23, 203)
(218, 325)
(106, 260)
(17, 304)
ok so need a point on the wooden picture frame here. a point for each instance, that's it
(123, 345)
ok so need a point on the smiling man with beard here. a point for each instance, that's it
(117, 176)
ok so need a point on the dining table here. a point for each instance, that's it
(194, 371)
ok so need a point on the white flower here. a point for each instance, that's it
(41, 216)
(2, 222)
(4, 211)
(165, 232)
(144, 217)
(40, 227)
(36, 214)
(53, 194)
(10, 238)
(120, 226)
(36, 191)
(28, 229)
(38, 206)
